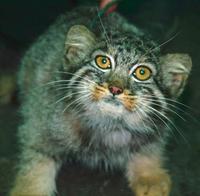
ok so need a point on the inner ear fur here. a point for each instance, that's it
(79, 43)
(175, 70)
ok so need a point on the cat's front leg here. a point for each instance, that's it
(147, 177)
(36, 176)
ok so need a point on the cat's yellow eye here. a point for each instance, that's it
(142, 73)
(103, 62)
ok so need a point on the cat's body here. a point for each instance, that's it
(81, 90)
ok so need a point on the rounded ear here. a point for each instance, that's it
(79, 43)
(175, 70)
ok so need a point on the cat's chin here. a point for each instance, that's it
(102, 110)
(111, 109)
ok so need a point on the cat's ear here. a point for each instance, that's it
(79, 43)
(175, 69)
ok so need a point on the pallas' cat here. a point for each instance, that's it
(98, 91)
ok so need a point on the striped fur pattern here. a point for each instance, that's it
(68, 108)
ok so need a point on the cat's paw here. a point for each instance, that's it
(152, 185)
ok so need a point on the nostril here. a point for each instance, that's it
(115, 90)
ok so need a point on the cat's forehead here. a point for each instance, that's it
(130, 48)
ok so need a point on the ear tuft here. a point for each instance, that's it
(79, 43)
(175, 69)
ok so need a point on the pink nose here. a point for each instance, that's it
(115, 90)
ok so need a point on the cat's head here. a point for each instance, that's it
(122, 77)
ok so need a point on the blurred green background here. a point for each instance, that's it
(22, 21)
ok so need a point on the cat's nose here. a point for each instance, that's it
(115, 90)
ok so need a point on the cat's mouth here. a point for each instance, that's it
(112, 100)
(124, 100)
(110, 107)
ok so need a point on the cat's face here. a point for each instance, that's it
(119, 84)
(121, 80)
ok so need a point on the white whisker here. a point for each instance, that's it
(176, 105)
(170, 100)
(156, 103)
(149, 118)
(160, 45)
(76, 74)
(75, 101)
(103, 28)
(168, 120)
(70, 95)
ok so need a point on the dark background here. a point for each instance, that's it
(20, 24)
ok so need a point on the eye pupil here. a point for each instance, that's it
(142, 71)
(104, 60)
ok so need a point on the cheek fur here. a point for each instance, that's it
(99, 92)
(128, 100)
(129, 104)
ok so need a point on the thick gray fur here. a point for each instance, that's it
(83, 132)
